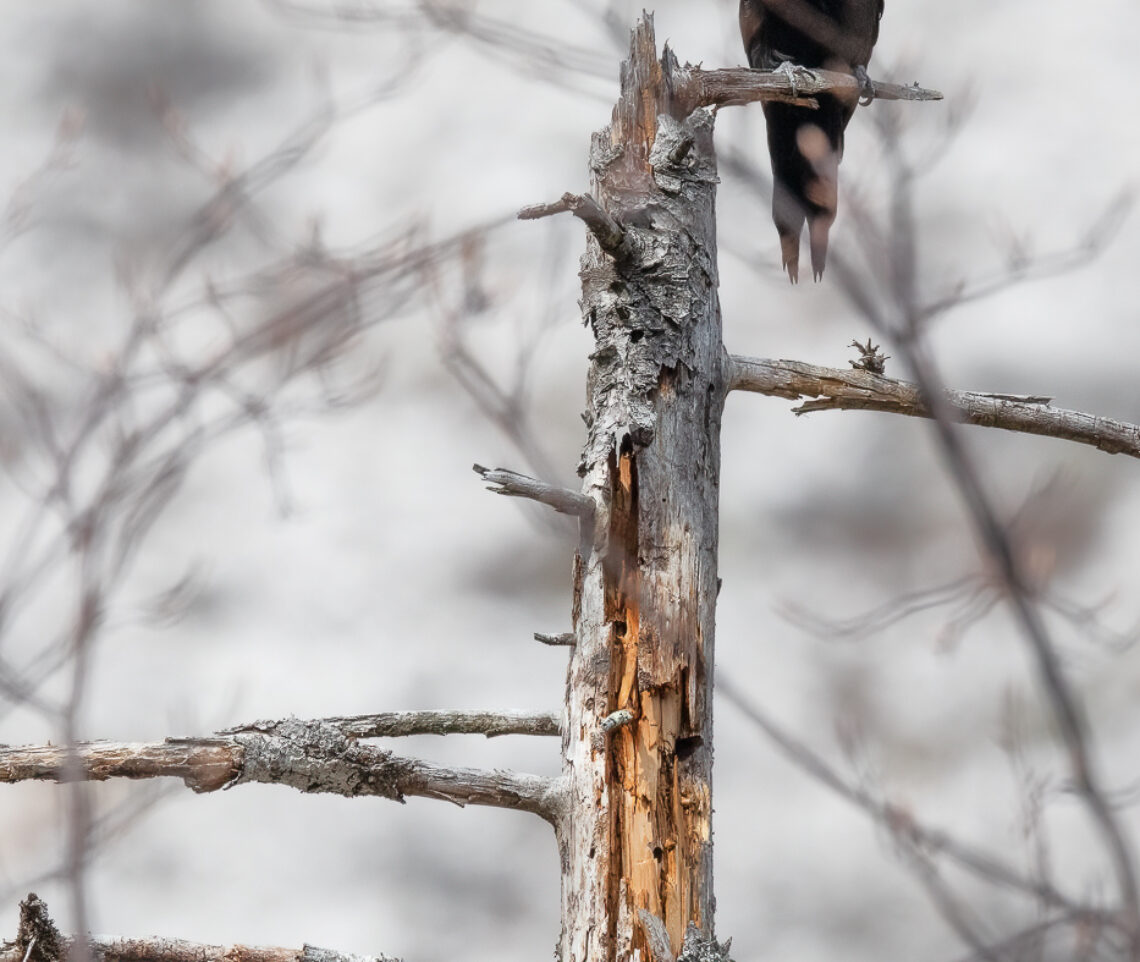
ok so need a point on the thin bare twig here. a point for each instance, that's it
(897, 822)
(902, 318)
(956, 914)
(505, 406)
(1013, 946)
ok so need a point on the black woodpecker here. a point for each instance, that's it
(806, 145)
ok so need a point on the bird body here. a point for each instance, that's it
(806, 145)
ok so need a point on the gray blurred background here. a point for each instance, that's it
(365, 569)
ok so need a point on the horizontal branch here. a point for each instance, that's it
(397, 724)
(38, 940)
(836, 389)
(516, 485)
(583, 206)
(311, 756)
(735, 86)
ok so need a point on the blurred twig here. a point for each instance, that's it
(891, 303)
(901, 825)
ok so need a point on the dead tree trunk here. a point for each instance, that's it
(636, 838)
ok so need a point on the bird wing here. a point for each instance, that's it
(751, 20)
(861, 26)
(811, 29)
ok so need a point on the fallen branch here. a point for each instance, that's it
(836, 389)
(311, 756)
(38, 940)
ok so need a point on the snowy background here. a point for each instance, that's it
(395, 582)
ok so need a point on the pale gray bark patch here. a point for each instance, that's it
(642, 309)
(701, 948)
(315, 756)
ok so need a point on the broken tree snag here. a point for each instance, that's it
(636, 837)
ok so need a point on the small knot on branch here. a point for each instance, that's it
(872, 360)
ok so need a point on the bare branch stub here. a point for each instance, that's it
(515, 485)
(583, 206)
(566, 639)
